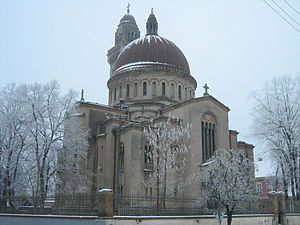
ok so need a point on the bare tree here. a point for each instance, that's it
(168, 141)
(228, 181)
(277, 122)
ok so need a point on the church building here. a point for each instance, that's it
(149, 79)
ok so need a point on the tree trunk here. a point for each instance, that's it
(229, 215)
(165, 182)
(157, 180)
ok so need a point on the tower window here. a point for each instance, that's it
(186, 92)
(135, 89)
(154, 89)
(190, 93)
(208, 133)
(115, 94)
(163, 88)
(144, 88)
(127, 90)
(179, 91)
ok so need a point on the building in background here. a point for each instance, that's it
(264, 185)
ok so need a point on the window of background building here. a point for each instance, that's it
(259, 188)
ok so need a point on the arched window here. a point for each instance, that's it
(120, 92)
(144, 88)
(190, 93)
(135, 90)
(163, 89)
(115, 93)
(153, 88)
(179, 91)
(127, 90)
(172, 90)
(186, 93)
(148, 157)
(208, 135)
(121, 157)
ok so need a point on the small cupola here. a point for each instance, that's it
(152, 25)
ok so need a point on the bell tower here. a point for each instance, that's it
(127, 31)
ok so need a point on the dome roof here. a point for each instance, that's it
(152, 50)
(128, 18)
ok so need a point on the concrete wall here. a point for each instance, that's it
(193, 220)
(290, 219)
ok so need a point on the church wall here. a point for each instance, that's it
(192, 113)
(108, 157)
(101, 146)
(133, 173)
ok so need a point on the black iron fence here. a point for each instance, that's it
(146, 206)
(60, 204)
(292, 206)
(131, 205)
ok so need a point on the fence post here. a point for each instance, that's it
(105, 202)
(278, 202)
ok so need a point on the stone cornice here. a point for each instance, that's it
(97, 106)
(195, 100)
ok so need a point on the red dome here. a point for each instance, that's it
(152, 51)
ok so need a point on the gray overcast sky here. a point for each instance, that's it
(233, 45)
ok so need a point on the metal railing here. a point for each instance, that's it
(60, 204)
(130, 205)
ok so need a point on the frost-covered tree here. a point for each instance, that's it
(33, 119)
(12, 140)
(276, 121)
(73, 175)
(46, 111)
(228, 180)
(169, 148)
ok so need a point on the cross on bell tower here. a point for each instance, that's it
(128, 10)
(205, 88)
